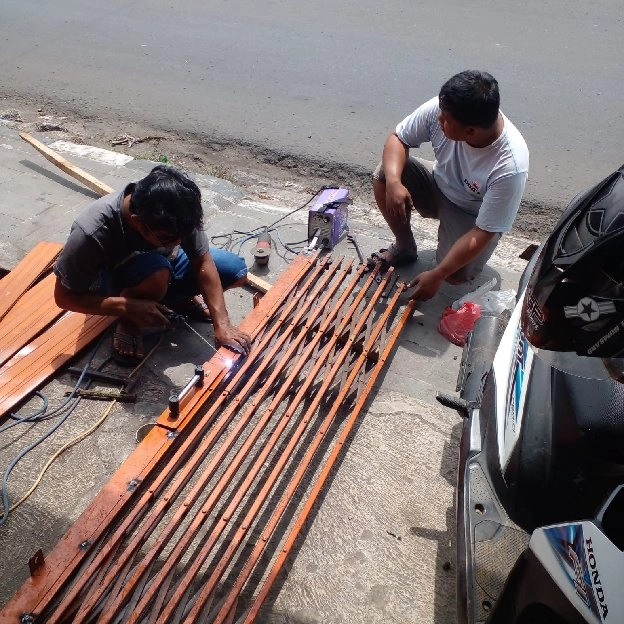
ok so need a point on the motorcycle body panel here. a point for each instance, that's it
(540, 453)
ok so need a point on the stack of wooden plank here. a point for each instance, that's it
(36, 337)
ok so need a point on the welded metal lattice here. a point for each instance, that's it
(219, 496)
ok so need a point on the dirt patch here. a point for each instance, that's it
(262, 172)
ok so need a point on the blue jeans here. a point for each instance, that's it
(182, 282)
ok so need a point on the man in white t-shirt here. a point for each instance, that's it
(474, 187)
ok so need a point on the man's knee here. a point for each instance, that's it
(153, 285)
(231, 268)
(240, 282)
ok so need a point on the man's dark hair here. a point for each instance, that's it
(472, 98)
(167, 200)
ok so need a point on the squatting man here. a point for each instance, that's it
(141, 253)
(473, 187)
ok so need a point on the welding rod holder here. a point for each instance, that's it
(197, 381)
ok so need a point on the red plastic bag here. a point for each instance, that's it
(455, 324)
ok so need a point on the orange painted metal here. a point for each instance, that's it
(190, 466)
(320, 482)
(39, 592)
(171, 525)
(25, 274)
(285, 454)
(233, 465)
(217, 371)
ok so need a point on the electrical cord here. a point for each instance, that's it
(235, 245)
(5, 499)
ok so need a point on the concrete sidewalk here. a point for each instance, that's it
(379, 545)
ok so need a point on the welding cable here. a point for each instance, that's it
(21, 454)
(35, 443)
(252, 234)
(41, 417)
(34, 417)
(78, 438)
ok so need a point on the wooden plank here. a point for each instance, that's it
(75, 172)
(43, 357)
(25, 274)
(29, 316)
(258, 283)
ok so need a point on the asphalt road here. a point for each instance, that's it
(328, 80)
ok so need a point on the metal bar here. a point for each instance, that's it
(115, 496)
(318, 486)
(143, 504)
(260, 497)
(233, 465)
(289, 491)
(189, 469)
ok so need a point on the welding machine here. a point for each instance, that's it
(327, 218)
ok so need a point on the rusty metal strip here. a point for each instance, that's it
(267, 447)
(191, 464)
(143, 504)
(285, 454)
(25, 274)
(39, 592)
(233, 465)
(322, 478)
(289, 491)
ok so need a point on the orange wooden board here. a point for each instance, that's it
(34, 311)
(25, 274)
(38, 360)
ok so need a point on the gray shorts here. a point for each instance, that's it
(431, 203)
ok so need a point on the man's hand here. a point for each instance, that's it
(427, 285)
(146, 313)
(233, 338)
(398, 201)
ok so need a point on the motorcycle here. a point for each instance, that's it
(540, 495)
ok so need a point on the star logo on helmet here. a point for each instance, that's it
(588, 310)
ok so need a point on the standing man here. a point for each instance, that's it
(140, 254)
(473, 188)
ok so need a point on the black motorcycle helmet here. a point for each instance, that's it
(575, 294)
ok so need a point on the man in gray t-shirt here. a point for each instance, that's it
(142, 252)
(474, 187)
